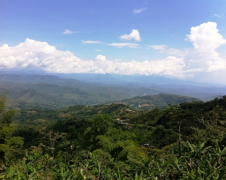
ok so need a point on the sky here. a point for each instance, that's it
(175, 39)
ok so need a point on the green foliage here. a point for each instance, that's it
(157, 101)
(185, 141)
(2, 102)
(8, 142)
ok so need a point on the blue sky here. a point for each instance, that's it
(177, 39)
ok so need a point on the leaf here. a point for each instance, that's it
(221, 174)
(223, 152)
(10, 172)
(191, 146)
(202, 145)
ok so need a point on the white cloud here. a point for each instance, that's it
(216, 15)
(91, 42)
(33, 54)
(165, 49)
(158, 47)
(120, 45)
(206, 39)
(206, 36)
(101, 57)
(201, 61)
(67, 31)
(203, 57)
(134, 35)
(137, 11)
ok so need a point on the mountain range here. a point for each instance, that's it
(62, 90)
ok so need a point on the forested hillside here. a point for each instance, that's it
(157, 101)
(42, 91)
(54, 93)
(115, 141)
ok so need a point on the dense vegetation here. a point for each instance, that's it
(114, 141)
(160, 101)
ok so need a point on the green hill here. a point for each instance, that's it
(115, 141)
(53, 92)
(157, 101)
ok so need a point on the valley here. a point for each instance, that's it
(50, 125)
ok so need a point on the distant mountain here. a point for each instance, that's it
(95, 78)
(144, 80)
(157, 101)
(51, 91)
(202, 91)
(34, 79)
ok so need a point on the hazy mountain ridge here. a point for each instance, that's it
(52, 91)
(58, 95)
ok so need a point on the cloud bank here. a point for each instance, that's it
(33, 54)
(200, 61)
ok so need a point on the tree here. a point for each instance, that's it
(8, 142)
(100, 124)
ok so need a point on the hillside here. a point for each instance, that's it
(115, 141)
(105, 88)
(49, 91)
(157, 101)
(53, 96)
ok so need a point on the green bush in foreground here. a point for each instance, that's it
(186, 142)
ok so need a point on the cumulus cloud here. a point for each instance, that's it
(206, 39)
(202, 60)
(137, 11)
(134, 35)
(101, 57)
(203, 57)
(67, 31)
(33, 54)
(91, 42)
(38, 55)
(120, 45)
